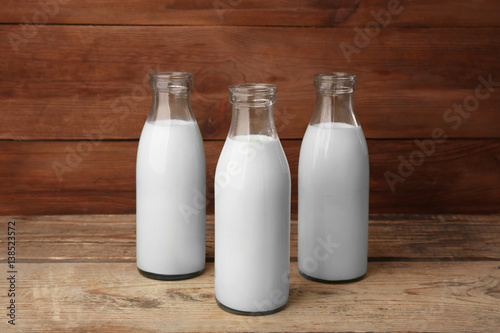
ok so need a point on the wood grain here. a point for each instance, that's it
(445, 13)
(74, 82)
(460, 176)
(111, 238)
(396, 297)
(80, 73)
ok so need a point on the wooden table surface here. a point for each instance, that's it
(425, 273)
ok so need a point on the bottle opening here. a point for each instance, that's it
(171, 81)
(253, 93)
(335, 83)
(335, 76)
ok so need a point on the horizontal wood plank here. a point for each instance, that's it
(445, 13)
(396, 297)
(111, 238)
(76, 82)
(459, 176)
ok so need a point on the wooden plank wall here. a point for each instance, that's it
(74, 96)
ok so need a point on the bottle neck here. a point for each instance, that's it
(334, 98)
(171, 105)
(252, 109)
(252, 120)
(334, 108)
(171, 96)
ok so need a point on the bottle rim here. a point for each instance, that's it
(171, 75)
(252, 88)
(174, 82)
(335, 76)
(335, 83)
(263, 94)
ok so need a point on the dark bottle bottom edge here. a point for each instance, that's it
(169, 277)
(305, 276)
(248, 313)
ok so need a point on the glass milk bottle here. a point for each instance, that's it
(171, 184)
(333, 186)
(252, 208)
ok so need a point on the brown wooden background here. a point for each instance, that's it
(79, 73)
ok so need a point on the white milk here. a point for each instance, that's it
(171, 198)
(252, 224)
(333, 202)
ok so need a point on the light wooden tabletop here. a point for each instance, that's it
(426, 273)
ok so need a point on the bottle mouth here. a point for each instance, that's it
(335, 83)
(335, 76)
(171, 81)
(252, 93)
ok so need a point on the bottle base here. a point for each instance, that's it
(248, 313)
(305, 276)
(169, 277)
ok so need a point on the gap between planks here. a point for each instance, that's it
(402, 238)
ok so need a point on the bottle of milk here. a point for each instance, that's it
(252, 208)
(333, 183)
(171, 184)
